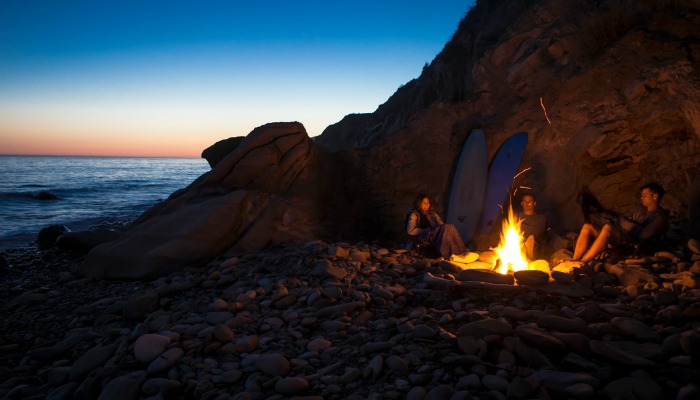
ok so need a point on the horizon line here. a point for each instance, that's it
(96, 156)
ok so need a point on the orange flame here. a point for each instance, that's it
(510, 249)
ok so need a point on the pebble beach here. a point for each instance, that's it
(350, 321)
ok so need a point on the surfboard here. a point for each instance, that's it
(502, 170)
(469, 186)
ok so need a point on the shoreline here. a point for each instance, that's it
(334, 320)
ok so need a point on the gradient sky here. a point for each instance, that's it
(170, 78)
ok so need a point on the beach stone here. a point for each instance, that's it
(373, 368)
(396, 363)
(124, 387)
(232, 376)
(47, 236)
(690, 391)
(468, 344)
(350, 375)
(531, 356)
(570, 290)
(423, 331)
(292, 386)
(690, 343)
(617, 355)
(567, 267)
(540, 265)
(246, 344)
(561, 324)
(560, 380)
(482, 275)
(441, 392)
(633, 328)
(573, 341)
(223, 333)
(58, 376)
(468, 257)
(319, 344)
(338, 251)
(562, 277)
(583, 364)
(486, 327)
(168, 388)
(343, 308)
(539, 339)
(665, 298)
(647, 350)
(165, 360)
(690, 280)
(495, 382)
(139, 305)
(580, 391)
(273, 364)
(628, 275)
(531, 277)
(634, 388)
(416, 393)
(48, 353)
(522, 388)
(84, 241)
(149, 346)
(90, 360)
(515, 314)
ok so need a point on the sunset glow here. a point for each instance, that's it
(148, 79)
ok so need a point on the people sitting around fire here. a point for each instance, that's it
(643, 222)
(535, 228)
(424, 226)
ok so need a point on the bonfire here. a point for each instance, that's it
(511, 257)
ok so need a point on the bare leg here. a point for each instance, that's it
(600, 243)
(588, 232)
(529, 246)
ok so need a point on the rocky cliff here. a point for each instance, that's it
(618, 81)
(608, 92)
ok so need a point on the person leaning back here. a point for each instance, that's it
(643, 222)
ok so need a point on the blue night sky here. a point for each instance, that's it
(171, 78)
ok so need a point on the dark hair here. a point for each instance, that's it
(655, 188)
(418, 200)
(528, 194)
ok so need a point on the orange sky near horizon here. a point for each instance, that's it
(140, 78)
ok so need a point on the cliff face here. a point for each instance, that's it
(618, 80)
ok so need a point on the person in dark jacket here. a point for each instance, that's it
(643, 222)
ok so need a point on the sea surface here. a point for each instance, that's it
(89, 191)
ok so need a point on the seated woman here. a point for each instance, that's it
(424, 226)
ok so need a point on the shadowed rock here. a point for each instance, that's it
(264, 192)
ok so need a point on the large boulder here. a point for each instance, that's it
(266, 191)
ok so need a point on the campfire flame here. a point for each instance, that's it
(510, 249)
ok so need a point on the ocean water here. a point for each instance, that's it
(89, 190)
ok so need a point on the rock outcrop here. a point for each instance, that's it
(263, 193)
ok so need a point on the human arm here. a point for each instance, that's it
(412, 228)
(656, 225)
